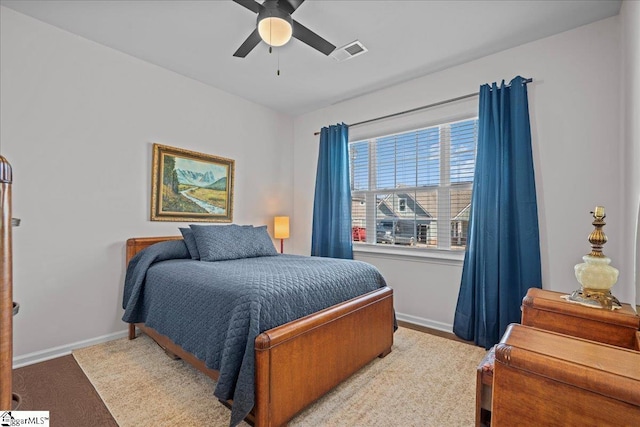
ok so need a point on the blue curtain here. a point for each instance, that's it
(332, 204)
(502, 260)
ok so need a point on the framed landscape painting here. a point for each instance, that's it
(190, 186)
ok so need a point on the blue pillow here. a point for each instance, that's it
(190, 241)
(224, 242)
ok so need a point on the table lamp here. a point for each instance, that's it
(281, 230)
(595, 274)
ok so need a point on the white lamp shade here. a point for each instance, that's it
(281, 227)
(275, 31)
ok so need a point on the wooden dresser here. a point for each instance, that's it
(551, 379)
(546, 310)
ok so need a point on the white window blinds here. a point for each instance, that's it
(414, 188)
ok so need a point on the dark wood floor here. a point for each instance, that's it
(60, 387)
(435, 332)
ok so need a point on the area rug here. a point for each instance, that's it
(425, 381)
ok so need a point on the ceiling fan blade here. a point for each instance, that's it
(248, 45)
(250, 4)
(307, 36)
(289, 6)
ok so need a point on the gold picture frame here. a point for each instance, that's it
(191, 186)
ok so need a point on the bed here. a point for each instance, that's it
(294, 363)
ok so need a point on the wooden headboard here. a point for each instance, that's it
(136, 244)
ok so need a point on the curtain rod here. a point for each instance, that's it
(424, 107)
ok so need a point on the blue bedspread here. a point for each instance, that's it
(215, 310)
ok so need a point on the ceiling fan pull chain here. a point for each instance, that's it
(270, 37)
(278, 62)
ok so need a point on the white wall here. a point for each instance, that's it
(577, 147)
(630, 94)
(77, 124)
(77, 121)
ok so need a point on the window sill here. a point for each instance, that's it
(409, 254)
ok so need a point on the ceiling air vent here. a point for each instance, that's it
(348, 51)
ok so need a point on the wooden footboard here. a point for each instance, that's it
(300, 361)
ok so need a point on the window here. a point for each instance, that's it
(414, 188)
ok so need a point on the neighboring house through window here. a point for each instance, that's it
(414, 188)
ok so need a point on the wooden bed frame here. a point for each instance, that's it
(302, 360)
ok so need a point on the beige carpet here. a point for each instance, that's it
(425, 381)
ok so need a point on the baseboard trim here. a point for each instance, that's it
(63, 350)
(427, 323)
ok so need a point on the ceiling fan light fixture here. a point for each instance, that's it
(275, 26)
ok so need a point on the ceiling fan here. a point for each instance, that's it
(276, 27)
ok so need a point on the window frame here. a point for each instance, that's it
(443, 249)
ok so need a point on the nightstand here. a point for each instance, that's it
(546, 310)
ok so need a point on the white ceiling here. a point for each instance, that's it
(406, 39)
